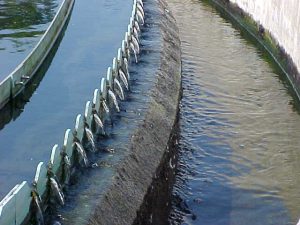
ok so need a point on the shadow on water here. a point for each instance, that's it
(13, 109)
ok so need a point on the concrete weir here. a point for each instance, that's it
(149, 147)
(150, 150)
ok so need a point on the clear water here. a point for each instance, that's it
(90, 42)
(240, 125)
(22, 23)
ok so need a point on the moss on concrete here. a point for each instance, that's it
(149, 147)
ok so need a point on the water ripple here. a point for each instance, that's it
(239, 129)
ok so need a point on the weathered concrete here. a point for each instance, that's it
(149, 148)
(281, 18)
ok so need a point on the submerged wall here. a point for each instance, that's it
(281, 18)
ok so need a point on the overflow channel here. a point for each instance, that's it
(239, 122)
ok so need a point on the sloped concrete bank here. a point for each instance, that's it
(269, 25)
(150, 153)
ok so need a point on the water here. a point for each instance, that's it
(124, 79)
(90, 138)
(137, 26)
(113, 98)
(120, 91)
(56, 191)
(82, 154)
(92, 182)
(66, 169)
(22, 23)
(106, 109)
(240, 125)
(39, 218)
(132, 47)
(136, 44)
(140, 17)
(98, 122)
(126, 67)
(80, 62)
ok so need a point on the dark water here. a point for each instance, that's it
(21, 25)
(239, 144)
(90, 42)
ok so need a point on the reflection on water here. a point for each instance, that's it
(239, 129)
(84, 194)
(21, 25)
(68, 83)
(14, 108)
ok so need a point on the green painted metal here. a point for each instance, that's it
(23, 201)
(55, 159)
(103, 89)
(88, 115)
(115, 68)
(110, 78)
(8, 208)
(79, 128)
(96, 101)
(41, 179)
(68, 143)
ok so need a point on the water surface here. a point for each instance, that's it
(80, 62)
(92, 183)
(240, 126)
(22, 23)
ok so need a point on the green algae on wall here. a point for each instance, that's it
(257, 33)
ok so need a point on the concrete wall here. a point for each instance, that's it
(150, 145)
(281, 18)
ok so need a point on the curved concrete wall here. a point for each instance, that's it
(15, 81)
(150, 151)
(281, 18)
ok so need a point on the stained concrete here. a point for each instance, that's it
(259, 34)
(149, 147)
(281, 18)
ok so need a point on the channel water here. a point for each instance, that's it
(239, 128)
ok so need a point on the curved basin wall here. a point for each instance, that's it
(16, 81)
(281, 19)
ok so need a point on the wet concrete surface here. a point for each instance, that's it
(149, 144)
